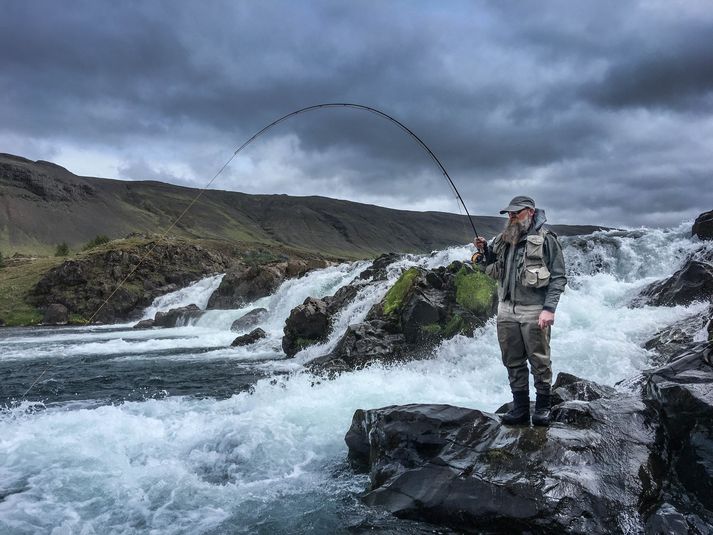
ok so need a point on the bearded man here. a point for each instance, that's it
(526, 259)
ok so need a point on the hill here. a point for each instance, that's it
(43, 204)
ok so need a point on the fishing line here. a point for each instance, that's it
(248, 142)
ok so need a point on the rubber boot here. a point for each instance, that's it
(520, 412)
(541, 416)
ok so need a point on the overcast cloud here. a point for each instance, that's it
(601, 111)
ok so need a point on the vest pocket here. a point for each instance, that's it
(535, 276)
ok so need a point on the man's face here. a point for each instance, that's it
(521, 216)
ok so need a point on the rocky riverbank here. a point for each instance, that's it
(120, 278)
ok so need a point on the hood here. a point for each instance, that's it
(539, 219)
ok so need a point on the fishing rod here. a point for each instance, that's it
(248, 142)
(369, 109)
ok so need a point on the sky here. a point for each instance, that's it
(602, 111)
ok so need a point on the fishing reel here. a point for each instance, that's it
(477, 258)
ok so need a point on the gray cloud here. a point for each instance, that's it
(601, 111)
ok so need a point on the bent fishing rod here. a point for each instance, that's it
(369, 109)
(248, 142)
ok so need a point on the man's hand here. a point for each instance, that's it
(480, 243)
(546, 319)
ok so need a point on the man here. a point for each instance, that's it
(527, 261)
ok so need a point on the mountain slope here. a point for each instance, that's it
(43, 204)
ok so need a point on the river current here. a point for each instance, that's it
(173, 431)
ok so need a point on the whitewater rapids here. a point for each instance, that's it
(172, 431)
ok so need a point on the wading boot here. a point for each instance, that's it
(520, 412)
(541, 416)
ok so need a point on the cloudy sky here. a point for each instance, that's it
(601, 110)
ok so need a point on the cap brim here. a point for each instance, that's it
(512, 208)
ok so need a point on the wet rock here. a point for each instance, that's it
(674, 338)
(361, 345)
(682, 390)
(422, 308)
(693, 282)
(56, 314)
(250, 319)
(307, 324)
(378, 269)
(250, 338)
(300, 267)
(461, 468)
(703, 226)
(177, 316)
(144, 324)
(247, 285)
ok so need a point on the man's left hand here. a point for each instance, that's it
(546, 319)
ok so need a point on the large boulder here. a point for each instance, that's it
(378, 271)
(461, 468)
(177, 317)
(422, 308)
(675, 338)
(703, 226)
(682, 390)
(307, 324)
(247, 284)
(250, 319)
(693, 282)
(56, 314)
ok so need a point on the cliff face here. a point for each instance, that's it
(43, 204)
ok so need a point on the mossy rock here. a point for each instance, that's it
(475, 291)
(301, 343)
(394, 298)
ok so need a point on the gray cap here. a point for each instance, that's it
(518, 203)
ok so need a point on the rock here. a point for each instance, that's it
(86, 283)
(422, 308)
(56, 314)
(710, 323)
(248, 320)
(674, 338)
(377, 271)
(461, 468)
(246, 285)
(693, 282)
(307, 324)
(342, 297)
(144, 324)
(250, 338)
(361, 345)
(300, 267)
(682, 390)
(703, 226)
(177, 317)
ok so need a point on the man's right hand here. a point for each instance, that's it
(480, 243)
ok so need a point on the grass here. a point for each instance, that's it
(15, 283)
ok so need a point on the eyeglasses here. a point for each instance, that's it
(515, 214)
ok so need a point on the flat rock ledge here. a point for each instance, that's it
(611, 462)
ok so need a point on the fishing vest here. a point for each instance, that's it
(533, 273)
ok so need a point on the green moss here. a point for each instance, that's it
(394, 298)
(431, 328)
(474, 290)
(454, 326)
